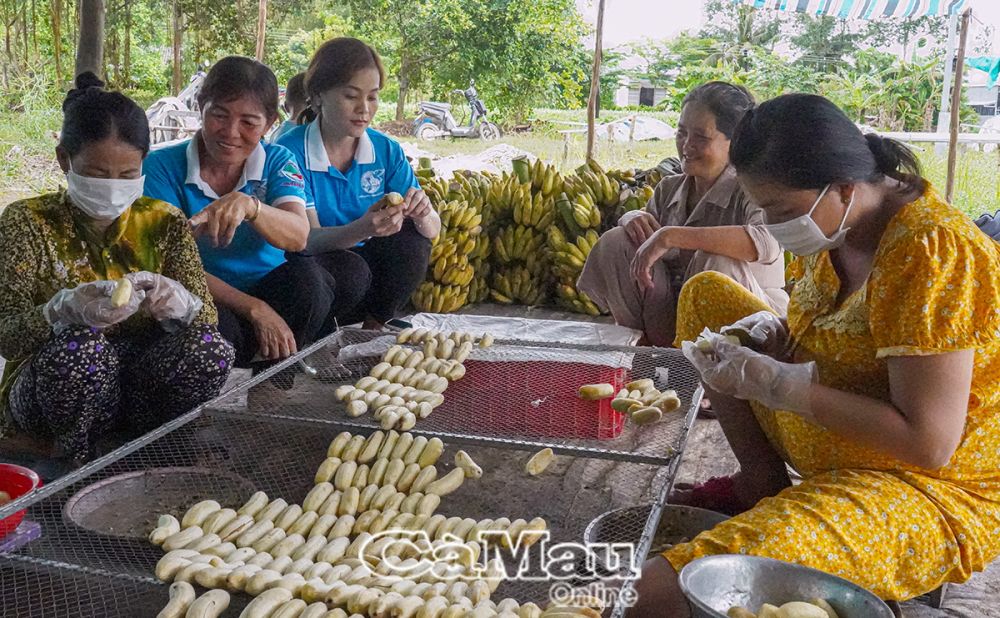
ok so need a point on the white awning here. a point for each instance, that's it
(861, 9)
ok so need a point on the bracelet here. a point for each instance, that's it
(256, 212)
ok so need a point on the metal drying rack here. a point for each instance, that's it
(93, 559)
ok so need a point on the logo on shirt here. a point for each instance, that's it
(292, 173)
(371, 182)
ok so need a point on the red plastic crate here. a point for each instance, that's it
(531, 398)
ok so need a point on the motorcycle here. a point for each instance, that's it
(435, 119)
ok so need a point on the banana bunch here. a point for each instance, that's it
(579, 215)
(604, 190)
(517, 243)
(627, 177)
(460, 216)
(481, 251)
(593, 181)
(461, 248)
(571, 299)
(455, 270)
(504, 194)
(545, 179)
(436, 189)
(472, 187)
(437, 298)
(446, 245)
(479, 288)
(569, 256)
(517, 284)
(538, 212)
(635, 199)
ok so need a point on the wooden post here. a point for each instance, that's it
(90, 47)
(956, 105)
(631, 129)
(127, 61)
(261, 28)
(595, 81)
(178, 33)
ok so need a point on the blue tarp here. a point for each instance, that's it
(987, 64)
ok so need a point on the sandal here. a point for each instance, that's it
(716, 494)
(705, 409)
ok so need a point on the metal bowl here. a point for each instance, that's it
(715, 583)
(127, 505)
(626, 525)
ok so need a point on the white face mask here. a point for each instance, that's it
(802, 236)
(104, 199)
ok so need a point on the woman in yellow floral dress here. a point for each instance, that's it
(882, 387)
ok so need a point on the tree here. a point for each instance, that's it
(512, 48)
(911, 33)
(739, 29)
(887, 92)
(823, 42)
(514, 51)
(411, 34)
(90, 48)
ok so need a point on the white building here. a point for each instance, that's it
(635, 92)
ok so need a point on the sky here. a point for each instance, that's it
(629, 20)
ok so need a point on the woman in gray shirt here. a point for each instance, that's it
(696, 221)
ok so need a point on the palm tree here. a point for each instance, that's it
(739, 30)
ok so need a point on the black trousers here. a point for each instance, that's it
(310, 300)
(393, 266)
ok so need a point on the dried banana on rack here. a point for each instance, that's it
(595, 392)
(409, 378)
(339, 548)
(644, 403)
(181, 596)
(377, 451)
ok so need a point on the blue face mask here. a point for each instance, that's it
(802, 236)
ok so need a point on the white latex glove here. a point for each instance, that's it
(740, 372)
(89, 304)
(767, 332)
(167, 301)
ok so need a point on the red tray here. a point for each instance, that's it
(532, 398)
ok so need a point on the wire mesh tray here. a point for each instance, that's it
(258, 438)
(532, 403)
(74, 571)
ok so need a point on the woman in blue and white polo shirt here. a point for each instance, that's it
(348, 169)
(247, 208)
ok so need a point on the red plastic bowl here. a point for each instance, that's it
(16, 481)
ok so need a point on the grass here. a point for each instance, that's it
(977, 178)
(27, 153)
(27, 158)
(567, 153)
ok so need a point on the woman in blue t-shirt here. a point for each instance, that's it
(348, 169)
(247, 209)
